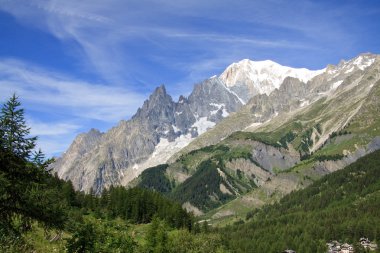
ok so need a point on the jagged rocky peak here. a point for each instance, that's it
(81, 145)
(158, 108)
(361, 62)
(213, 100)
(157, 98)
(248, 78)
(182, 100)
(87, 140)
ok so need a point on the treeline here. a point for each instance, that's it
(135, 205)
(341, 206)
(154, 178)
(140, 205)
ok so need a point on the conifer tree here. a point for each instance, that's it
(24, 195)
(14, 131)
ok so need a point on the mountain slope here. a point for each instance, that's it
(294, 97)
(288, 152)
(159, 129)
(341, 206)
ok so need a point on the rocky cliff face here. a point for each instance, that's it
(159, 128)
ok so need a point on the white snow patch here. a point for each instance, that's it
(225, 113)
(218, 106)
(358, 61)
(350, 70)
(162, 152)
(202, 125)
(331, 71)
(176, 129)
(304, 102)
(336, 84)
(363, 63)
(253, 125)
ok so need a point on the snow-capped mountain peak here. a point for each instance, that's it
(248, 78)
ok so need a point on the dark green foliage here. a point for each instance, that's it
(263, 137)
(106, 236)
(83, 240)
(14, 131)
(157, 236)
(140, 205)
(306, 141)
(287, 138)
(202, 189)
(203, 184)
(210, 149)
(183, 242)
(234, 153)
(341, 206)
(342, 132)
(319, 128)
(25, 194)
(335, 157)
(154, 178)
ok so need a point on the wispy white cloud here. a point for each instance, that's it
(51, 128)
(76, 104)
(45, 89)
(53, 137)
(107, 32)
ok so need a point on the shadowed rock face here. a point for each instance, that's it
(96, 160)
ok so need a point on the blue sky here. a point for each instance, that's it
(90, 63)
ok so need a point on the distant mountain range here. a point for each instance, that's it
(264, 121)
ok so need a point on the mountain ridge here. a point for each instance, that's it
(158, 130)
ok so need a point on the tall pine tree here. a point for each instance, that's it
(24, 193)
(14, 130)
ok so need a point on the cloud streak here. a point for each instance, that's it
(110, 34)
(42, 88)
(59, 107)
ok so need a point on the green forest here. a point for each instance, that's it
(41, 213)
